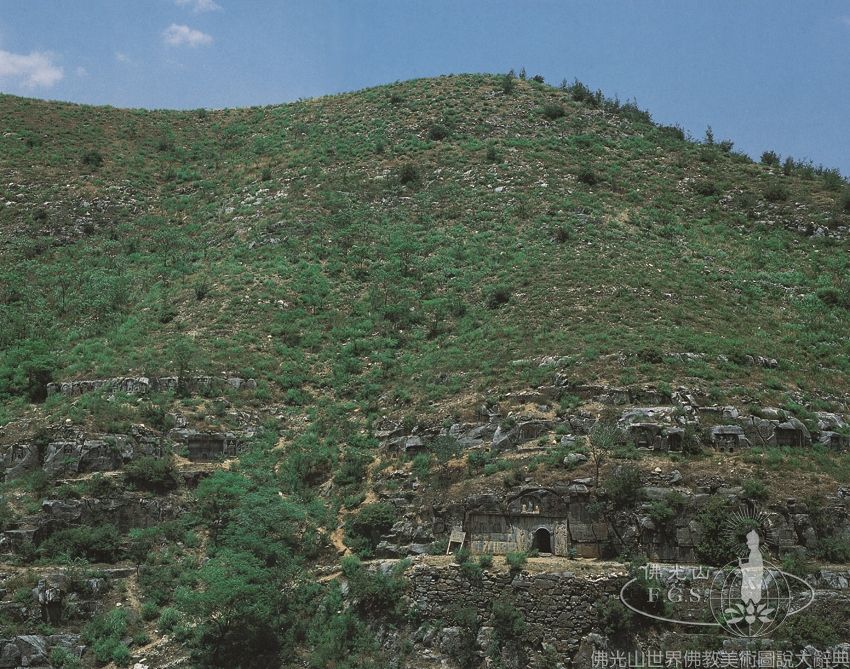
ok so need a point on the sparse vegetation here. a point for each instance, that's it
(399, 261)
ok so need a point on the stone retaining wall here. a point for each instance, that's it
(559, 608)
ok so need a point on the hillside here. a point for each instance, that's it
(345, 324)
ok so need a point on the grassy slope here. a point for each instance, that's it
(349, 295)
(324, 270)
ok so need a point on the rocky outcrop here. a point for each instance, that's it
(125, 512)
(522, 432)
(62, 596)
(71, 452)
(406, 537)
(142, 384)
(675, 422)
(208, 446)
(33, 650)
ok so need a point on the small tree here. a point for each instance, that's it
(234, 608)
(508, 622)
(844, 201)
(218, 495)
(770, 158)
(601, 440)
(26, 369)
(185, 354)
(624, 486)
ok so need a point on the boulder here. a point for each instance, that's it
(520, 433)
(574, 459)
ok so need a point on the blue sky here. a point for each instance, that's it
(766, 74)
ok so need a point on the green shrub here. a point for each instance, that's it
(833, 549)
(202, 289)
(755, 489)
(832, 180)
(770, 158)
(26, 369)
(498, 296)
(363, 530)
(461, 555)
(616, 618)
(104, 634)
(471, 570)
(516, 560)
(508, 84)
(833, 296)
(485, 561)
(775, 192)
(169, 618)
(101, 543)
(476, 460)
(151, 473)
(374, 591)
(562, 233)
(422, 465)
(438, 132)
(582, 93)
(438, 547)
(661, 514)
(717, 546)
(92, 158)
(353, 501)
(788, 166)
(844, 201)
(674, 132)
(141, 639)
(553, 111)
(101, 486)
(149, 611)
(62, 658)
(795, 563)
(408, 174)
(119, 653)
(810, 628)
(706, 188)
(624, 486)
(7, 517)
(352, 471)
(587, 176)
(508, 622)
(492, 154)
(466, 618)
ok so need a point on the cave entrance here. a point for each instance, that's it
(542, 540)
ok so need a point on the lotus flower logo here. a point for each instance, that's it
(749, 613)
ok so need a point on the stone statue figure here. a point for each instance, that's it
(752, 571)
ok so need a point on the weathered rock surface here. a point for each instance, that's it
(143, 384)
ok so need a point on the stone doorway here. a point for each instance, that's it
(542, 540)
